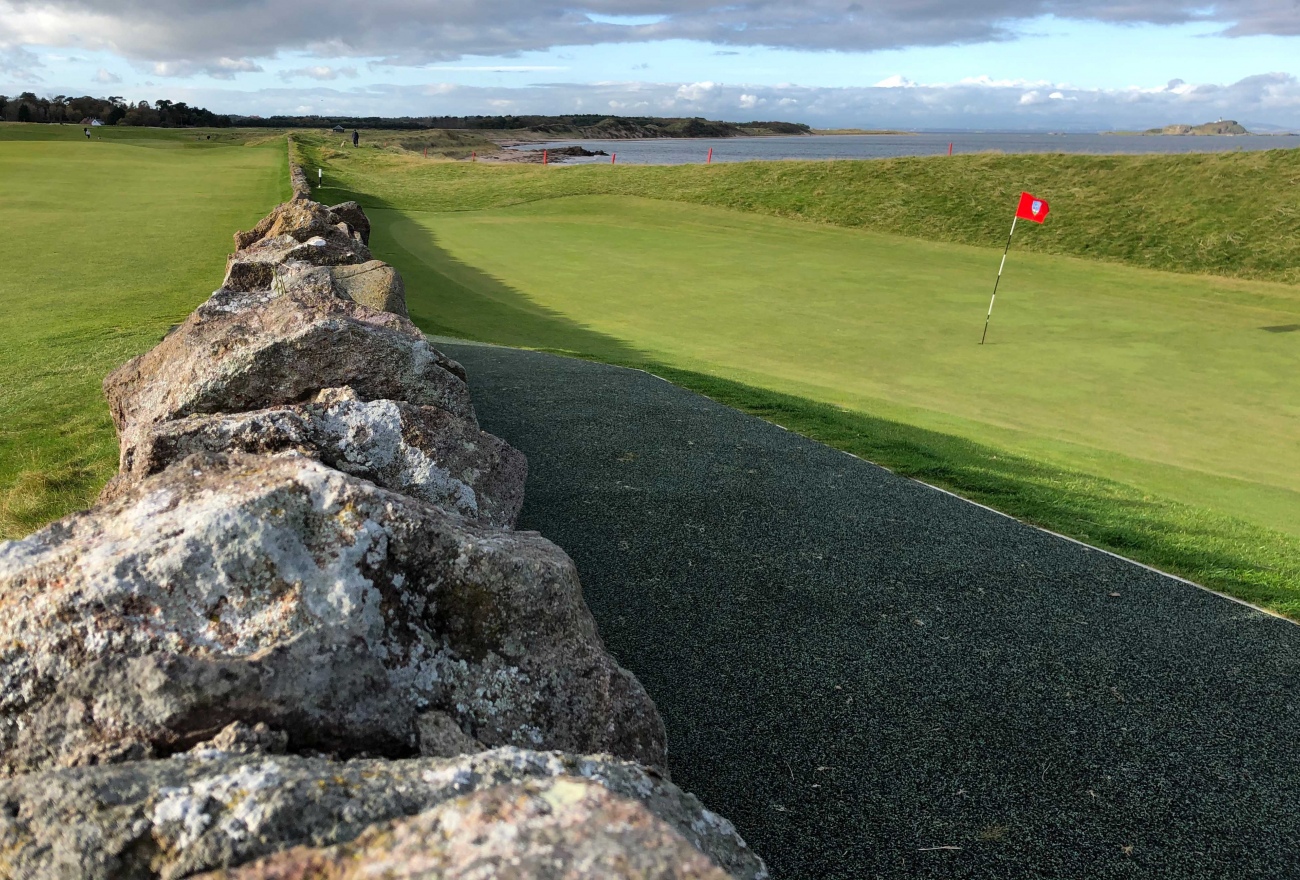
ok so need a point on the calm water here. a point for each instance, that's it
(678, 152)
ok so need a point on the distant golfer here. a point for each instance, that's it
(356, 138)
(87, 131)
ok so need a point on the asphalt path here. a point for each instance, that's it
(872, 678)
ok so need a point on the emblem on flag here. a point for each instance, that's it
(1033, 208)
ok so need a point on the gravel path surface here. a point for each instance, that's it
(874, 679)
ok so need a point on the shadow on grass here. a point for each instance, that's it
(451, 298)
(448, 297)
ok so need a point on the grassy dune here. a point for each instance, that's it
(1145, 412)
(111, 241)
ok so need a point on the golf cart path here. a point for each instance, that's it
(873, 678)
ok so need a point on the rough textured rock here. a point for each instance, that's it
(562, 828)
(299, 219)
(420, 451)
(258, 267)
(244, 351)
(375, 284)
(277, 590)
(356, 219)
(207, 809)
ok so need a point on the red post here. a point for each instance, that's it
(546, 157)
(709, 161)
(613, 158)
(473, 156)
(949, 148)
(426, 152)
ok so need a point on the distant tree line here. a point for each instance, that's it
(113, 110)
(685, 127)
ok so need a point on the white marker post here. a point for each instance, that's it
(1005, 250)
(320, 177)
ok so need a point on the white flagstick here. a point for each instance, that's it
(989, 316)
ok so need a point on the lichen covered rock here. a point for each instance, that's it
(245, 351)
(421, 451)
(375, 284)
(299, 219)
(211, 809)
(280, 591)
(563, 828)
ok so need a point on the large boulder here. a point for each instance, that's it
(563, 828)
(244, 351)
(421, 451)
(240, 588)
(212, 809)
(375, 284)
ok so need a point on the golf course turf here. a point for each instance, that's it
(111, 241)
(1149, 413)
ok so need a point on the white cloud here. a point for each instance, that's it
(697, 91)
(106, 77)
(321, 73)
(219, 68)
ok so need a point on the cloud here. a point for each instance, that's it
(197, 35)
(19, 65)
(319, 72)
(219, 68)
(106, 77)
(1271, 98)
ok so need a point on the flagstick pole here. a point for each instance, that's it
(1005, 250)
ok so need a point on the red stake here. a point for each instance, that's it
(709, 161)
(426, 152)
(473, 157)
(950, 149)
(613, 158)
(546, 157)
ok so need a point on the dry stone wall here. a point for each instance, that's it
(299, 634)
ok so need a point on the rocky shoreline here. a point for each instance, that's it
(299, 634)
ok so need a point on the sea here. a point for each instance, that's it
(681, 151)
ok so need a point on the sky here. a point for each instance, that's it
(1048, 65)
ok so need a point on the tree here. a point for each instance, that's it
(24, 112)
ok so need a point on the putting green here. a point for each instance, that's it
(110, 242)
(1165, 382)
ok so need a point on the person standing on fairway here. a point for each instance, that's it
(86, 131)
(356, 137)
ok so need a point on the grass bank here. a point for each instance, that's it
(111, 241)
(1232, 214)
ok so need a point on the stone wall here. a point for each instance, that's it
(299, 634)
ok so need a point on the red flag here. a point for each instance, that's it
(1032, 208)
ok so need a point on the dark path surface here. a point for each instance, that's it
(874, 679)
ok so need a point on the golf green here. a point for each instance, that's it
(1168, 383)
(111, 240)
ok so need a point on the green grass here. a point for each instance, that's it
(110, 242)
(1144, 412)
(1234, 214)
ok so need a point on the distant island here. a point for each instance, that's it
(1222, 127)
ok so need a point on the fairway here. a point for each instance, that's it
(110, 242)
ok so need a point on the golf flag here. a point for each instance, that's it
(1032, 208)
